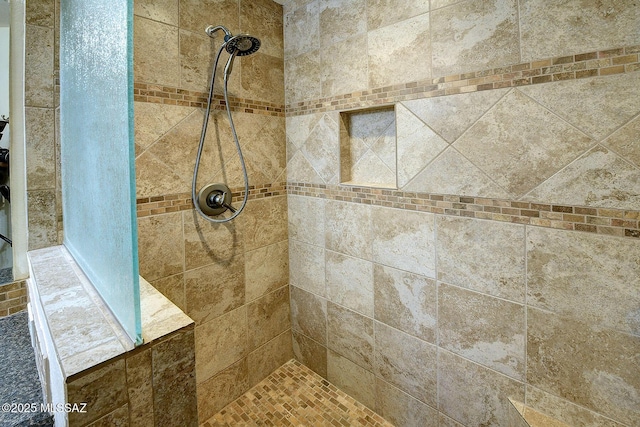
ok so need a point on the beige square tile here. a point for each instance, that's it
(588, 365)
(160, 246)
(215, 393)
(322, 147)
(221, 342)
(269, 357)
(348, 229)
(268, 317)
(262, 77)
(589, 277)
(350, 282)
(156, 52)
(407, 363)
(310, 353)
(309, 315)
(483, 256)
(406, 301)
(307, 267)
(206, 243)
(402, 409)
(301, 29)
(344, 64)
(341, 19)
(394, 231)
(117, 418)
(624, 141)
(41, 13)
(350, 335)
(151, 121)
(266, 269)
(354, 380)
(472, 35)
(264, 222)
(487, 330)
(264, 19)
(196, 15)
(302, 76)
(381, 13)
(164, 10)
(140, 388)
(172, 287)
(196, 61)
(38, 66)
(474, 395)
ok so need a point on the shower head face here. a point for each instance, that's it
(243, 45)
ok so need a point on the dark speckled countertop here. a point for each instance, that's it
(19, 382)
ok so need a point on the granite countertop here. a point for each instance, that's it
(19, 382)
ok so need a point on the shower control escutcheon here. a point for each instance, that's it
(215, 199)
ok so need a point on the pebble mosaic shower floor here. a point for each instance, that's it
(294, 395)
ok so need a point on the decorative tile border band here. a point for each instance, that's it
(613, 222)
(591, 64)
(159, 94)
(13, 298)
(147, 206)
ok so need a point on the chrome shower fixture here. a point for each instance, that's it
(215, 199)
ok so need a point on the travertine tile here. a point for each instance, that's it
(402, 409)
(483, 256)
(268, 317)
(310, 353)
(40, 148)
(160, 246)
(348, 229)
(164, 10)
(302, 30)
(381, 13)
(340, 20)
(218, 391)
(599, 178)
(584, 276)
(221, 342)
(450, 116)
(472, 394)
(261, 137)
(174, 379)
(350, 282)
(104, 390)
(264, 222)
(41, 13)
(474, 36)
(306, 223)
(606, 102)
(300, 127)
(625, 142)
(206, 243)
(406, 362)
(394, 231)
(299, 169)
(196, 15)
(117, 418)
(172, 287)
(307, 267)
(151, 121)
(264, 19)
(484, 329)
(269, 357)
(196, 61)
(140, 388)
(38, 65)
(157, 52)
(452, 173)
(302, 79)
(563, 410)
(588, 365)
(266, 269)
(322, 147)
(350, 335)
(309, 315)
(390, 61)
(561, 29)
(520, 155)
(261, 78)
(406, 301)
(344, 64)
(417, 144)
(214, 290)
(354, 380)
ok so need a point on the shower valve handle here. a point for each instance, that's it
(216, 200)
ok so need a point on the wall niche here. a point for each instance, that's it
(368, 147)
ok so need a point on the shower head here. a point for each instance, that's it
(242, 44)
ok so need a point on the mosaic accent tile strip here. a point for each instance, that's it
(147, 206)
(590, 64)
(294, 395)
(143, 92)
(614, 222)
(13, 298)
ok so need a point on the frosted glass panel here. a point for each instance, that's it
(97, 151)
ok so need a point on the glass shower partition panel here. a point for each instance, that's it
(97, 150)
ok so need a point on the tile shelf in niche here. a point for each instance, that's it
(368, 147)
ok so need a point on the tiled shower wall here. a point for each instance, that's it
(232, 279)
(505, 265)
